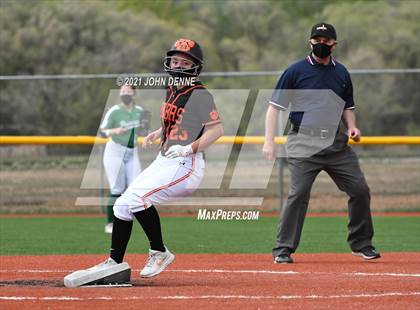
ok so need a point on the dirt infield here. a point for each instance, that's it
(224, 281)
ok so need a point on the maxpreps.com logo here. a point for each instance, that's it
(219, 214)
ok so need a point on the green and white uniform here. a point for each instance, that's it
(121, 159)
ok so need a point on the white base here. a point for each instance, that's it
(108, 285)
(80, 277)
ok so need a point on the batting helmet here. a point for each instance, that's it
(190, 48)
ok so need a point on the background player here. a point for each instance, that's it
(121, 160)
(189, 124)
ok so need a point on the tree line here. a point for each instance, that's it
(127, 36)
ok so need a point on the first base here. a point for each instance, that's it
(115, 274)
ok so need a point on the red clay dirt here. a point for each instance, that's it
(222, 281)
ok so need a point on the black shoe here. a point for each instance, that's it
(368, 252)
(283, 259)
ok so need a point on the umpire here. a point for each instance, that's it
(319, 71)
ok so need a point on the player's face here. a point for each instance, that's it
(181, 61)
(126, 90)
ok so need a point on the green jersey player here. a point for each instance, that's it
(121, 160)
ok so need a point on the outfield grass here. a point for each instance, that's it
(78, 235)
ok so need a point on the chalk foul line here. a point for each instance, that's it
(188, 297)
(227, 271)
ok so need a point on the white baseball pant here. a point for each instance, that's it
(122, 166)
(163, 181)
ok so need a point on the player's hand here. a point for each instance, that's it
(118, 131)
(179, 151)
(149, 139)
(268, 150)
(354, 134)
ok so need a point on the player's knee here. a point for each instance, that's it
(138, 204)
(116, 189)
(122, 210)
(361, 190)
(116, 193)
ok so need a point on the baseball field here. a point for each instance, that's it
(218, 263)
(83, 83)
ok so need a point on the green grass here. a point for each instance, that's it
(67, 235)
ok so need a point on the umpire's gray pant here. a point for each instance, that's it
(343, 167)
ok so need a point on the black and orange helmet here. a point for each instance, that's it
(190, 48)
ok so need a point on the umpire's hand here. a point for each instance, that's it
(269, 150)
(354, 134)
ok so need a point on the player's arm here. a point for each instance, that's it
(113, 131)
(349, 118)
(109, 122)
(152, 137)
(278, 104)
(271, 118)
(210, 135)
(213, 128)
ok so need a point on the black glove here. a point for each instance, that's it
(144, 125)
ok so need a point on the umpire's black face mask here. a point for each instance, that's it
(322, 46)
(321, 50)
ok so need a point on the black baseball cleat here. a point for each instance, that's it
(283, 259)
(368, 252)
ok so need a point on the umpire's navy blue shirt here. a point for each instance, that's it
(309, 74)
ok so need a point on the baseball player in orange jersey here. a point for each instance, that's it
(189, 124)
